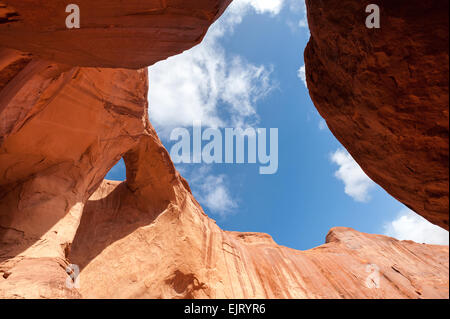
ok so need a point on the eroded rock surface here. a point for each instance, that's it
(63, 127)
(384, 94)
(113, 33)
(176, 251)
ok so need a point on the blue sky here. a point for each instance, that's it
(248, 73)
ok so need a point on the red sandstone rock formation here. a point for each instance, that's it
(384, 94)
(125, 34)
(63, 127)
(176, 251)
(148, 237)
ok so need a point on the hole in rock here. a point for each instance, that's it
(118, 172)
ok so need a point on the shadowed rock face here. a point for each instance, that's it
(384, 94)
(128, 34)
(63, 127)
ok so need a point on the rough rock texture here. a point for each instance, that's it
(63, 127)
(113, 33)
(384, 94)
(176, 251)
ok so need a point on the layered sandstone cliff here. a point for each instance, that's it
(384, 93)
(176, 251)
(64, 126)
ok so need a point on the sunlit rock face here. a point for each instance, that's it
(128, 249)
(384, 93)
(63, 126)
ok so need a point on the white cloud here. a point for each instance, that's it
(357, 183)
(260, 6)
(211, 190)
(217, 196)
(410, 226)
(301, 73)
(303, 23)
(207, 84)
(322, 125)
(299, 8)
